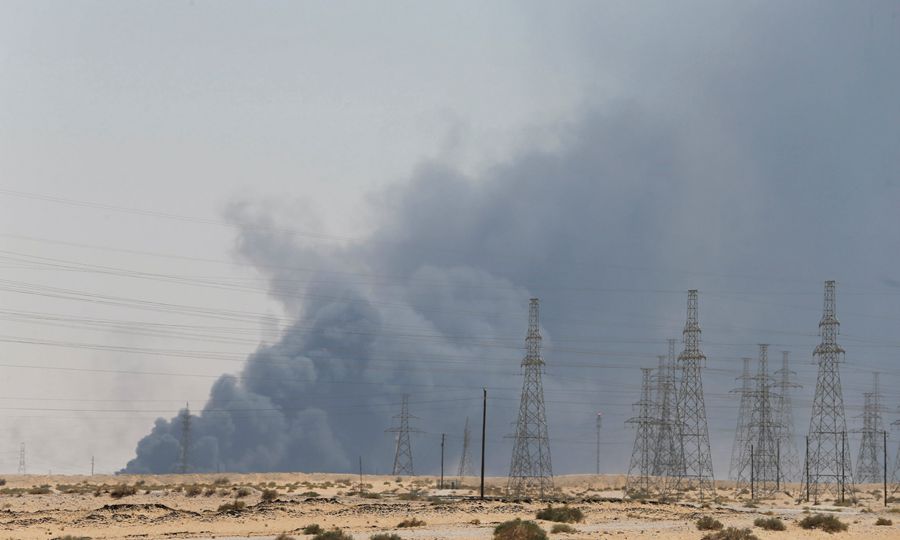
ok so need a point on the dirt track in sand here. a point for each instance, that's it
(188, 506)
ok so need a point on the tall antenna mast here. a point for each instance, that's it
(599, 424)
(830, 472)
(531, 472)
(403, 459)
(698, 471)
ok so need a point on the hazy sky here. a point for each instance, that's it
(182, 181)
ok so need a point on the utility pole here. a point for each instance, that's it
(403, 459)
(694, 431)
(360, 477)
(483, 434)
(92, 465)
(884, 448)
(829, 455)
(530, 471)
(21, 469)
(599, 423)
(442, 460)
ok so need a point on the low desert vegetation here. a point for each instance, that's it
(313, 528)
(883, 521)
(334, 534)
(561, 514)
(385, 536)
(707, 523)
(231, 507)
(193, 490)
(221, 481)
(517, 529)
(269, 495)
(70, 537)
(563, 528)
(823, 522)
(411, 522)
(731, 533)
(770, 524)
(242, 491)
(40, 490)
(122, 490)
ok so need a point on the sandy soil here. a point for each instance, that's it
(189, 506)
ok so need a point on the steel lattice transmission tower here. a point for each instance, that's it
(465, 468)
(694, 431)
(639, 480)
(895, 473)
(829, 469)
(869, 464)
(185, 442)
(530, 471)
(764, 431)
(666, 446)
(789, 456)
(739, 471)
(403, 459)
(21, 469)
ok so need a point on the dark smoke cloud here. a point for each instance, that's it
(770, 167)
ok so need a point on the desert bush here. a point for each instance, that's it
(236, 506)
(334, 534)
(284, 536)
(122, 490)
(313, 529)
(707, 523)
(370, 495)
(193, 490)
(269, 495)
(221, 481)
(309, 494)
(70, 537)
(242, 491)
(563, 528)
(731, 533)
(883, 521)
(411, 522)
(385, 536)
(517, 529)
(39, 490)
(561, 514)
(823, 522)
(770, 524)
(210, 491)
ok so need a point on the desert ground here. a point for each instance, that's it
(228, 506)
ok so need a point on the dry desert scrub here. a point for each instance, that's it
(707, 523)
(829, 524)
(517, 529)
(561, 514)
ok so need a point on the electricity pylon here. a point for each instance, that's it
(666, 445)
(829, 468)
(464, 464)
(789, 457)
(21, 469)
(694, 431)
(869, 465)
(739, 471)
(185, 439)
(640, 467)
(765, 478)
(530, 471)
(403, 459)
